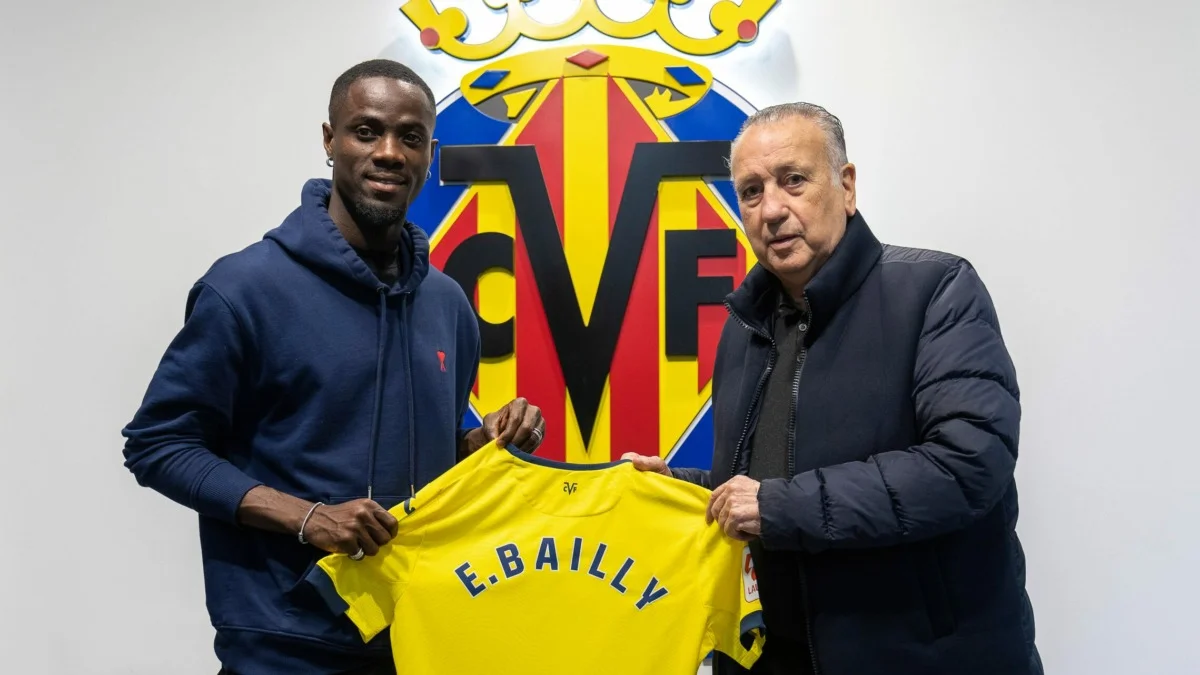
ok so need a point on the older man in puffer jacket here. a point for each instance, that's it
(866, 418)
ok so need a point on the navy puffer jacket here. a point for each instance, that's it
(901, 497)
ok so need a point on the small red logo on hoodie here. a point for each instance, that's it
(442, 360)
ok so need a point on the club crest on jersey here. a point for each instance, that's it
(581, 199)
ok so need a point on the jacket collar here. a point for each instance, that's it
(754, 302)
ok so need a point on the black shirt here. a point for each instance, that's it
(397, 267)
(786, 648)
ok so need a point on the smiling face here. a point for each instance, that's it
(380, 140)
(794, 203)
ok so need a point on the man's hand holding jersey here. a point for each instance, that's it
(362, 526)
(519, 423)
(734, 505)
(346, 528)
(335, 528)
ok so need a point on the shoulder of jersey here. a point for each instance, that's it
(440, 486)
(683, 493)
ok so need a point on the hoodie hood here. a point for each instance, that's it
(309, 235)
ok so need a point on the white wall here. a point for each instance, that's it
(1053, 144)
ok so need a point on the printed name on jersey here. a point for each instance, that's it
(513, 565)
(749, 576)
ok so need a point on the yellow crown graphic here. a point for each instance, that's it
(443, 30)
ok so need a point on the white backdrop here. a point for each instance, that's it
(1053, 144)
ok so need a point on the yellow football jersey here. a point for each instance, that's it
(510, 563)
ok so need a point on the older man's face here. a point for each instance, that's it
(794, 205)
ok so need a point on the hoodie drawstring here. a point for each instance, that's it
(412, 421)
(378, 412)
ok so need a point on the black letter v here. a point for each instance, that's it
(585, 351)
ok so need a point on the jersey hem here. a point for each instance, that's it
(320, 581)
(751, 630)
(226, 628)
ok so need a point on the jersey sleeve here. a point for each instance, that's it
(367, 590)
(735, 624)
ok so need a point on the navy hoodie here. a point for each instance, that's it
(296, 368)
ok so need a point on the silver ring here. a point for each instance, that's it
(359, 555)
(537, 434)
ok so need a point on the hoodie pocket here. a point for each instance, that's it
(290, 562)
(300, 589)
(928, 568)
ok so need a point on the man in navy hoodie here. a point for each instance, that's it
(320, 377)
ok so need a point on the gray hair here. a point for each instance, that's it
(835, 136)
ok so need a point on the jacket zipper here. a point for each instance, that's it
(800, 359)
(801, 335)
(802, 354)
(762, 380)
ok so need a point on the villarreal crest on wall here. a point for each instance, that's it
(580, 197)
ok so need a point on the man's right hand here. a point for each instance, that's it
(347, 527)
(648, 463)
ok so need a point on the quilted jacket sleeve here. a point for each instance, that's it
(968, 416)
(697, 476)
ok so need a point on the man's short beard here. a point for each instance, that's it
(375, 216)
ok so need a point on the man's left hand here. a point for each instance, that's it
(734, 505)
(519, 423)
